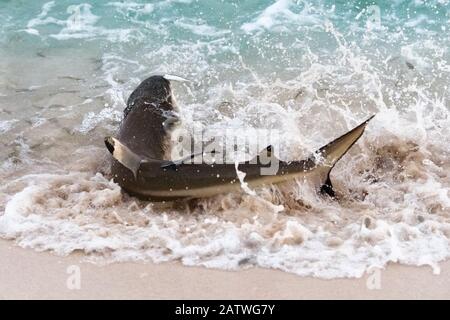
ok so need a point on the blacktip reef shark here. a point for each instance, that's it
(140, 171)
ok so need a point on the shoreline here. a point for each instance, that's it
(27, 274)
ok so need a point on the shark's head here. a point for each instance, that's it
(155, 91)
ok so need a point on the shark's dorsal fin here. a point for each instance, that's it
(265, 156)
(268, 150)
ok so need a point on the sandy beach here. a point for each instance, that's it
(25, 274)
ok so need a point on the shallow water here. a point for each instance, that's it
(309, 69)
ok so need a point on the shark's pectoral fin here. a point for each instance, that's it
(176, 163)
(334, 151)
(125, 156)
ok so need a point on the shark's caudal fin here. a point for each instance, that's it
(334, 150)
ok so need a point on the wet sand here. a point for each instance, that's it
(26, 274)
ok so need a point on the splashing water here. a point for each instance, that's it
(310, 69)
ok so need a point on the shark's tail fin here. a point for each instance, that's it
(334, 150)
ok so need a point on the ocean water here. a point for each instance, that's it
(310, 69)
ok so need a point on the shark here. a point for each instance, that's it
(140, 169)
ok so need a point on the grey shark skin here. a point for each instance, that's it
(147, 176)
(148, 118)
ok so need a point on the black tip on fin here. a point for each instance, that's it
(109, 142)
(327, 188)
(336, 149)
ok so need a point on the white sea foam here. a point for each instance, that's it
(244, 185)
(80, 24)
(278, 15)
(137, 8)
(68, 212)
(42, 19)
(199, 27)
(6, 125)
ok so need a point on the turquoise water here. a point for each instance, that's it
(222, 31)
(309, 69)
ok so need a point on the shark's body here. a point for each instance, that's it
(145, 176)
